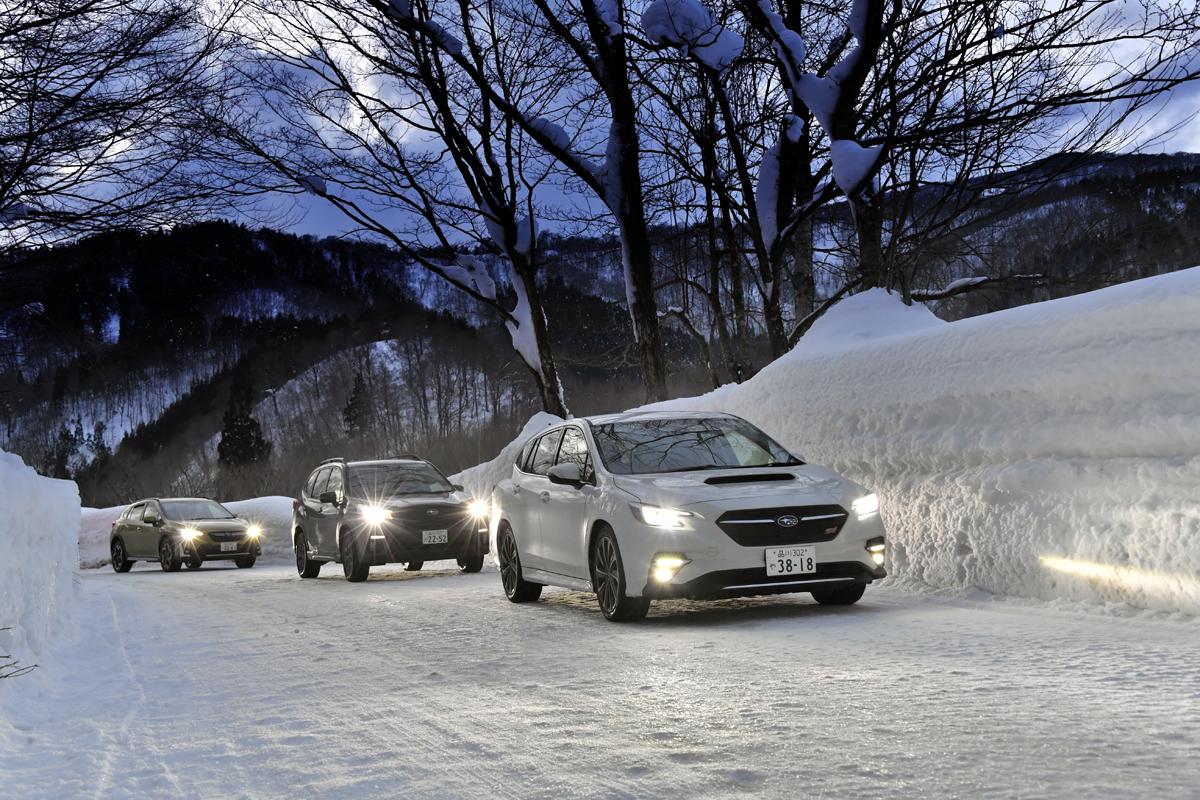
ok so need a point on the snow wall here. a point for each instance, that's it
(1048, 451)
(39, 527)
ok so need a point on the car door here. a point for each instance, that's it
(535, 494)
(331, 513)
(150, 528)
(564, 513)
(128, 529)
(312, 507)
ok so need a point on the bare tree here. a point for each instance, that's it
(385, 127)
(589, 39)
(97, 118)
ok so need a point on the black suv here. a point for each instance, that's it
(398, 510)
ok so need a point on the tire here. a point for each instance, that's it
(414, 566)
(193, 562)
(245, 562)
(516, 588)
(472, 564)
(608, 579)
(305, 565)
(120, 559)
(841, 596)
(169, 557)
(353, 564)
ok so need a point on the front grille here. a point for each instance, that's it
(758, 527)
(226, 536)
(443, 517)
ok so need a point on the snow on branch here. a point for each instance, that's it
(852, 164)
(471, 272)
(688, 25)
(964, 285)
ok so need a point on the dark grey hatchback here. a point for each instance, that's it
(366, 513)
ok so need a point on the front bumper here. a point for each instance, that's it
(755, 581)
(395, 543)
(209, 550)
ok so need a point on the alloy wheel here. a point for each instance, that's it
(606, 576)
(509, 564)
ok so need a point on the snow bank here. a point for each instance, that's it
(479, 480)
(38, 555)
(1048, 451)
(274, 514)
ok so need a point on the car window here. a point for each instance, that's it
(310, 488)
(180, 510)
(134, 513)
(319, 483)
(335, 482)
(523, 459)
(574, 450)
(545, 452)
(150, 510)
(640, 446)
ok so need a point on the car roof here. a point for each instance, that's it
(169, 499)
(637, 416)
(373, 461)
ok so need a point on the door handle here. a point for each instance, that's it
(545, 497)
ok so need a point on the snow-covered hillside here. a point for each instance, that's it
(38, 555)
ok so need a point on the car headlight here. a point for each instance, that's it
(478, 509)
(867, 506)
(374, 515)
(254, 531)
(189, 534)
(658, 517)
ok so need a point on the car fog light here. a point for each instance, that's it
(374, 515)
(877, 548)
(189, 534)
(478, 508)
(254, 531)
(866, 507)
(665, 565)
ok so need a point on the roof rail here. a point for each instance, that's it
(407, 457)
(334, 459)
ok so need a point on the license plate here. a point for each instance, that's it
(434, 537)
(791, 560)
(228, 547)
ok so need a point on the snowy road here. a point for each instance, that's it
(231, 683)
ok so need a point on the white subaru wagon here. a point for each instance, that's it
(650, 505)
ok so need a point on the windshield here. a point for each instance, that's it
(381, 481)
(678, 445)
(194, 509)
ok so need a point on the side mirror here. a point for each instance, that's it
(566, 474)
(152, 519)
(328, 497)
(458, 487)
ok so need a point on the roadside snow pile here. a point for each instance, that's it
(38, 555)
(274, 514)
(1048, 451)
(479, 480)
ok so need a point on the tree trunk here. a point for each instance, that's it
(545, 375)
(804, 285)
(868, 224)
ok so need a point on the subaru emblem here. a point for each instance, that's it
(433, 512)
(788, 521)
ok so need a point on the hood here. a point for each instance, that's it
(451, 500)
(808, 484)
